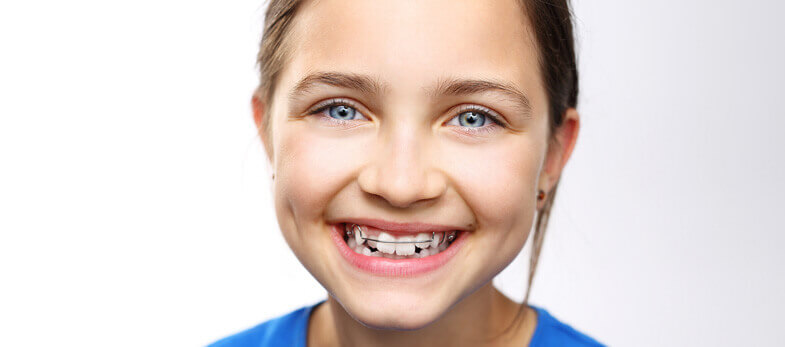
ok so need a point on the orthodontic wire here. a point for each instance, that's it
(433, 236)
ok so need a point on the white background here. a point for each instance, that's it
(135, 205)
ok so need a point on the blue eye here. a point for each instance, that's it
(476, 118)
(342, 112)
(338, 111)
(471, 119)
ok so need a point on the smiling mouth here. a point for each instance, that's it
(376, 243)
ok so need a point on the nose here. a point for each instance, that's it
(403, 168)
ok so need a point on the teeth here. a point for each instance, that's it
(392, 247)
(357, 238)
(384, 246)
(404, 248)
(435, 241)
(388, 256)
(423, 237)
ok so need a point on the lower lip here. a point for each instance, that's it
(395, 267)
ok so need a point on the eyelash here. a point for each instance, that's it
(486, 112)
(333, 102)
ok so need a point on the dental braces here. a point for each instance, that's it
(447, 238)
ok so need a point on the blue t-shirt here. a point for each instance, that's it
(291, 330)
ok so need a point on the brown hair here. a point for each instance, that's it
(553, 31)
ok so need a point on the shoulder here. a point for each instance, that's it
(286, 330)
(552, 332)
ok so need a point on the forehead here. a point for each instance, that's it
(411, 45)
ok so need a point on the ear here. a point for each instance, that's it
(559, 151)
(260, 111)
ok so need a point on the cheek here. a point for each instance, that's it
(302, 174)
(498, 180)
(312, 169)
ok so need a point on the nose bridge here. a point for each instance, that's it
(403, 169)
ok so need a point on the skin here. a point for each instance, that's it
(405, 157)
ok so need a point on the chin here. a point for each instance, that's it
(394, 316)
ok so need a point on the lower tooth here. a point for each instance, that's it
(364, 250)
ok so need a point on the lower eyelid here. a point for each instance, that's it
(484, 129)
(323, 116)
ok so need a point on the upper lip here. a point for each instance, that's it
(411, 227)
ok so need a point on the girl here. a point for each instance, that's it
(414, 144)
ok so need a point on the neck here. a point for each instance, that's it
(478, 320)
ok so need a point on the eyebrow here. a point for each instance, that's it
(458, 87)
(447, 86)
(362, 83)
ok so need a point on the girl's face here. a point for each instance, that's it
(407, 112)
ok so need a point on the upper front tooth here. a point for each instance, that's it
(384, 244)
(405, 248)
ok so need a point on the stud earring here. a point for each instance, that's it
(273, 175)
(541, 195)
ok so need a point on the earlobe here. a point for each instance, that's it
(560, 149)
